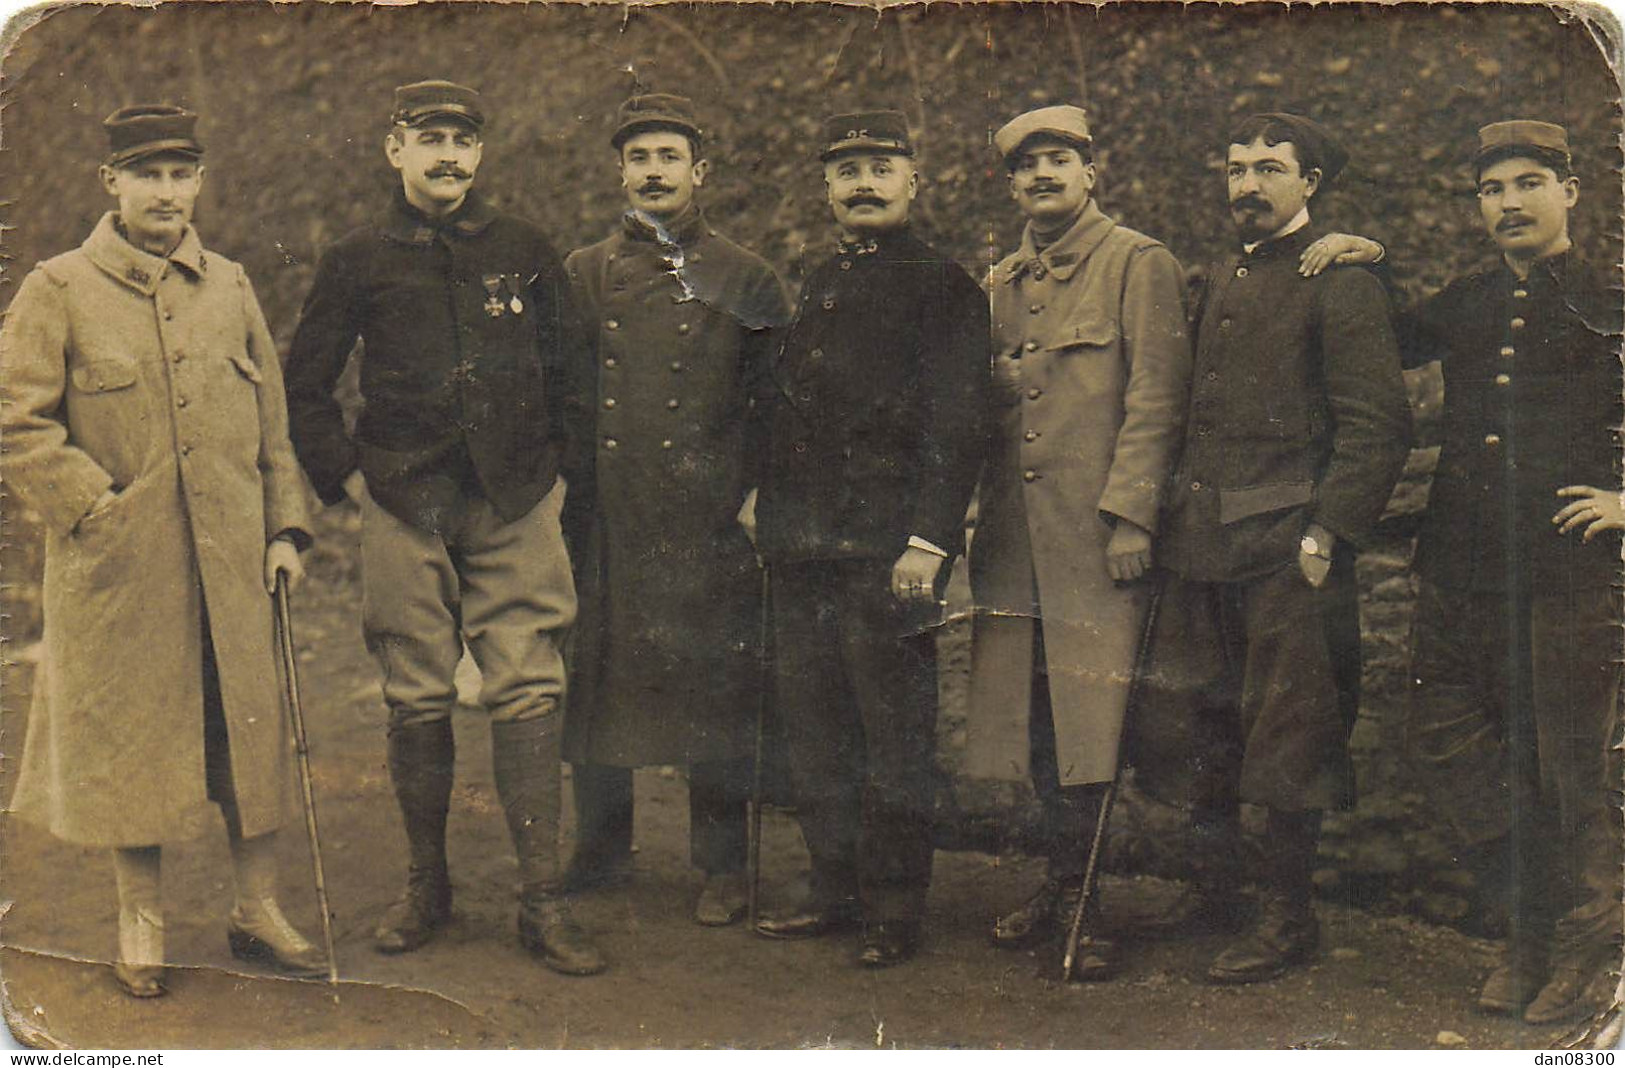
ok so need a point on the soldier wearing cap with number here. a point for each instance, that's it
(471, 345)
(1298, 428)
(1515, 645)
(664, 662)
(873, 452)
(1091, 368)
(144, 422)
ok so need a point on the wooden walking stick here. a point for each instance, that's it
(1091, 870)
(753, 841)
(296, 713)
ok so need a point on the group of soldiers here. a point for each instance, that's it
(581, 469)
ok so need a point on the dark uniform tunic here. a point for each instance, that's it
(1517, 629)
(471, 342)
(875, 425)
(1298, 415)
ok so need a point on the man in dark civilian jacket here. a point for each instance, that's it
(469, 338)
(1515, 646)
(665, 665)
(1297, 432)
(873, 455)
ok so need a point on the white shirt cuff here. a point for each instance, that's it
(917, 542)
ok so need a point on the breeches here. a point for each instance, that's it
(503, 588)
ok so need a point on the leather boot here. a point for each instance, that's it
(1213, 902)
(421, 759)
(1286, 932)
(1516, 980)
(525, 763)
(139, 970)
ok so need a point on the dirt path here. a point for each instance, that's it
(1379, 982)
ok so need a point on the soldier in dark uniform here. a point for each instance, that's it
(1297, 431)
(1516, 642)
(664, 665)
(470, 337)
(881, 386)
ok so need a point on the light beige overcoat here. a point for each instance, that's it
(1092, 368)
(156, 378)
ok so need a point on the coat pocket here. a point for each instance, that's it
(246, 367)
(1238, 504)
(1089, 334)
(104, 376)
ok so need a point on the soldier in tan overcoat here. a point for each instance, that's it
(144, 421)
(1092, 368)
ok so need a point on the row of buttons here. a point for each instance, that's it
(611, 362)
(614, 443)
(615, 324)
(673, 404)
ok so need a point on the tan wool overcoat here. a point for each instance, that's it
(157, 378)
(1092, 368)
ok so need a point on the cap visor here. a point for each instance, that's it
(177, 147)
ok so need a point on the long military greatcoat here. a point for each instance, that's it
(154, 377)
(1092, 368)
(664, 667)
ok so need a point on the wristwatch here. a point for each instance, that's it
(1313, 547)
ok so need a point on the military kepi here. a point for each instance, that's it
(655, 111)
(134, 133)
(1063, 121)
(867, 131)
(1501, 140)
(419, 102)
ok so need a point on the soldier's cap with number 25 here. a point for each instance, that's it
(866, 131)
(1063, 121)
(417, 103)
(143, 130)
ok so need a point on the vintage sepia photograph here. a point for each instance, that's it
(811, 525)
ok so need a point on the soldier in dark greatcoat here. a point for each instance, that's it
(880, 390)
(664, 665)
(1298, 428)
(470, 343)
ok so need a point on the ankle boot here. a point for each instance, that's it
(421, 759)
(525, 763)
(1286, 932)
(139, 969)
(257, 930)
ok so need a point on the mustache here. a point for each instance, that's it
(864, 198)
(1045, 187)
(447, 170)
(1512, 219)
(1250, 201)
(654, 186)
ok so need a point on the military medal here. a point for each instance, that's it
(493, 303)
(516, 305)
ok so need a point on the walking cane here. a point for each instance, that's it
(753, 842)
(290, 682)
(1091, 869)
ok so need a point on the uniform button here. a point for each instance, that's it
(1503, 380)
(666, 444)
(677, 365)
(1034, 393)
(612, 324)
(673, 404)
(1031, 435)
(817, 354)
(1196, 485)
(1031, 346)
(1508, 351)
(846, 265)
(1492, 439)
(682, 328)
(180, 402)
(1212, 376)
(800, 446)
(611, 443)
(1035, 309)
(186, 450)
(1517, 322)
(168, 314)
(1520, 293)
(1224, 324)
(829, 303)
(1241, 272)
(609, 361)
(609, 402)
(1029, 475)
(1203, 431)
(179, 355)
